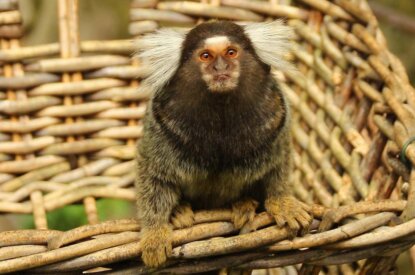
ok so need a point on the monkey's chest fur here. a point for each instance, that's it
(216, 148)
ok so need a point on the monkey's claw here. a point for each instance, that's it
(156, 245)
(291, 212)
(243, 212)
(182, 216)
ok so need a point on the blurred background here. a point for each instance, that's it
(108, 19)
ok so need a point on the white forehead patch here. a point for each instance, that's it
(217, 40)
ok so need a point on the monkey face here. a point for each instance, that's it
(215, 57)
(219, 63)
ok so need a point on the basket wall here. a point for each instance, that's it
(70, 113)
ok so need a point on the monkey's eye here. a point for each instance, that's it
(205, 56)
(231, 53)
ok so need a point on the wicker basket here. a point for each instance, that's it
(70, 116)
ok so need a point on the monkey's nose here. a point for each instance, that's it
(220, 65)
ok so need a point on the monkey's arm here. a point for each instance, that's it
(279, 201)
(286, 209)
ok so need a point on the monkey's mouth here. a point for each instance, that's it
(222, 82)
(221, 77)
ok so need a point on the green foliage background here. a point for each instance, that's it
(73, 216)
(400, 42)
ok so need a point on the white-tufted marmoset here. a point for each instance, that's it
(216, 132)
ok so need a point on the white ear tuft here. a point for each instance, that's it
(271, 41)
(159, 53)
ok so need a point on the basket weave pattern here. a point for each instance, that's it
(70, 115)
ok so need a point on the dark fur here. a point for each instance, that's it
(212, 149)
(215, 149)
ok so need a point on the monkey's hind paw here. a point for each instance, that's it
(291, 212)
(243, 212)
(182, 216)
(156, 245)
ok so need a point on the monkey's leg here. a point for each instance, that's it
(156, 244)
(182, 216)
(243, 212)
(156, 200)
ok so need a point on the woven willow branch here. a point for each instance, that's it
(113, 241)
(70, 115)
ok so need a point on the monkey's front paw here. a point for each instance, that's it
(243, 212)
(290, 211)
(182, 216)
(156, 244)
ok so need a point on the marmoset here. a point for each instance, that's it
(216, 132)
